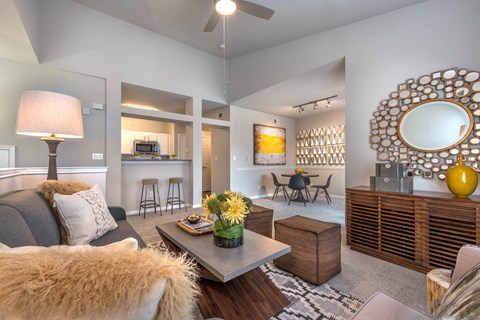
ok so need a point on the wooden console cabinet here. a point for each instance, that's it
(420, 231)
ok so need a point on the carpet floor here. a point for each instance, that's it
(361, 275)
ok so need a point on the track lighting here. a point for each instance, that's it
(327, 104)
(314, 103)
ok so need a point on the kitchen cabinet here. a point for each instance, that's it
(129, 136)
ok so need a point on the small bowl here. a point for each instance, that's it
(193, 219)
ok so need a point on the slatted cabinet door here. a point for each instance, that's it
(450, 225)
(362, 220)
(398, 228)
(421, 231)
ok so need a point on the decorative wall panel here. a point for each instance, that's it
(321, 146)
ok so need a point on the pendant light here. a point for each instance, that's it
(225, 7)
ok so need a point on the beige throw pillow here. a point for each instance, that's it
(84, 215)
(49, 188)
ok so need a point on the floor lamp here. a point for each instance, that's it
(52, 116)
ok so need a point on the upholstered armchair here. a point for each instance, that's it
(460, 301)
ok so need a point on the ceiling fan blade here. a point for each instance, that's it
(212, 22)
(255, 9)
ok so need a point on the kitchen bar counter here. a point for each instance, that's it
(148, 161)
(134, 170)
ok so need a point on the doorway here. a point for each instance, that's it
(206, 163)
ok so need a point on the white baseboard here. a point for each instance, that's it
(280, 194)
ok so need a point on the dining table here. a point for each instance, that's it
(305, 175)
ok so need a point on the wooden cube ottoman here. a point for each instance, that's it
(260, 220)
(315, 255)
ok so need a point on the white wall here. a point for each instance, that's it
(323, 120)
(77, 38)
(380, 53)
(29, 178)
(255, 180)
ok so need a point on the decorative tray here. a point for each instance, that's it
(201, 227)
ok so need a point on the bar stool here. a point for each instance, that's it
(172, 199)
(149, 203)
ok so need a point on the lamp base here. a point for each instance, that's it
(52, 143)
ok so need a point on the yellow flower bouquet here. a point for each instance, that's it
(229, 210)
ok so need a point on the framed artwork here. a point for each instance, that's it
(269, 145)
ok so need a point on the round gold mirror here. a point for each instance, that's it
(435, 125)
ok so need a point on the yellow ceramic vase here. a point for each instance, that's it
(461, 179)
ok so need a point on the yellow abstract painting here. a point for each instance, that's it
(269, 145)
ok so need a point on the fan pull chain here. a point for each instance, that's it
(224, 46)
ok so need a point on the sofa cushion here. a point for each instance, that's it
(96, 284)
(84, 215)
(15, 231)
(36, 214)
(123, 231)
(381, 306)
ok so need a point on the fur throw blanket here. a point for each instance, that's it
(94, 284)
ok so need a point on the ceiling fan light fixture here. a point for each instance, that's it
(225, 7)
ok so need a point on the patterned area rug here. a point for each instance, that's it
(307, 301)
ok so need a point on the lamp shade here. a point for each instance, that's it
(44, 113)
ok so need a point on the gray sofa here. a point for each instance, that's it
(26, 219)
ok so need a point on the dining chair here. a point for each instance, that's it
(324, 189)
(307, 183)
(279, 186)
(297, 184)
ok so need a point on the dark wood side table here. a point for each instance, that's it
(260, 220)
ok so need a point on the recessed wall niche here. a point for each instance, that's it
(321, 146)
(455, 90)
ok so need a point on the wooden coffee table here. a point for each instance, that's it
(232, 284)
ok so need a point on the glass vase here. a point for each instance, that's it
(227, 236)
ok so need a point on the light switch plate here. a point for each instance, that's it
(97, 156)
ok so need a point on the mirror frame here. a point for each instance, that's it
(443, 84)
(414, 107)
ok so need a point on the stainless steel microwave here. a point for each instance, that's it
(146, 147)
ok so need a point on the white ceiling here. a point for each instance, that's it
(326, 81)
(184, 20)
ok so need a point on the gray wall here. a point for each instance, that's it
(255, 180)
(380, 53)
(220, 159)
(79, 39)
(31, 151)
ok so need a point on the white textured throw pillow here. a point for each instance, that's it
(84, 215)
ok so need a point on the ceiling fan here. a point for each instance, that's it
(227, 7)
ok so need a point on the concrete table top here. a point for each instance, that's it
(226, 263)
